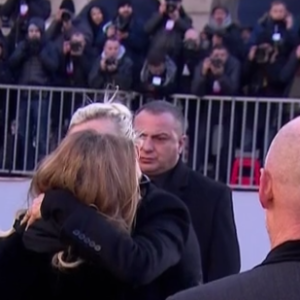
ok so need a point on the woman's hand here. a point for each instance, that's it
(34, 212)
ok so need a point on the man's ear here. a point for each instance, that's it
(182, 143)
(265, 189)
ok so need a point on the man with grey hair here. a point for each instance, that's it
(162, 129)
(278, 276)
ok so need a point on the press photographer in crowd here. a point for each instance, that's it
(128, 28)
(64, 25)
(167, 28)
(112, 67)
(262, 69)
(76, 61)
(222, 25)
(218, 74)
(193, 53)
(20, 12)
(34, 62)
(158, 76)
(279, 25)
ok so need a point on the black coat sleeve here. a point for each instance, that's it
(156, 244)
(224, 251)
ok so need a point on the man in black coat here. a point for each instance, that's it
(278, 276)
(162, 127)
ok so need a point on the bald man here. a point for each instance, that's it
(278, 276)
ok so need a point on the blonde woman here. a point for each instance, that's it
(145, 260)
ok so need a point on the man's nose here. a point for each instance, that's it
(147, 145)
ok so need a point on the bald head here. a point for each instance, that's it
(283, 158)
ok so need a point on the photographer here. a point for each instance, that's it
(76, 61)
(218, 74)
(34, 62)
(221, 26)
(64, 25)
(128, 28)
(158, 76)
(261, 70)
(193, 53)
(112, 67)
(20, 12)
(167, 28)
(278, 24)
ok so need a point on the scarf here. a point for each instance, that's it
(216, 27)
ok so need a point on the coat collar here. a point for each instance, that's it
(178, 179)
(286, 252)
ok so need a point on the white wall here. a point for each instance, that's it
(249, 217)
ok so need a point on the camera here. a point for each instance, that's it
(171, 7)
(121, 24)
(216, 63)
(190, 45)
(261, 55)
(110, 61)
(75, 46)
(66, 16)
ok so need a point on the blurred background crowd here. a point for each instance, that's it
(152, 49)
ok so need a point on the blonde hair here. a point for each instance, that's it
(114, 111)
(92, 167)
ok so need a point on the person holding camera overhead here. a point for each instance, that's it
(167, 28)
(158, 76)
(112, 67)
(64, 24)
(34, 62)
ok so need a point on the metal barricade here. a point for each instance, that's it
(33, 120)
(228, 137)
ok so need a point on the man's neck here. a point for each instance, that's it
(288, 232)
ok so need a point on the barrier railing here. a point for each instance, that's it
(227, 136)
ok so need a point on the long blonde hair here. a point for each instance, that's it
(99, 170)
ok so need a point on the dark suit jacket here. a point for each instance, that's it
(210, 205)
(149, 264)
(277, 278)
(272, 282)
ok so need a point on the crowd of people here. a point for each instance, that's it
(156, 56)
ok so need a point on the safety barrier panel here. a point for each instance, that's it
(228, 137)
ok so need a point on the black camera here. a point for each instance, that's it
(121, 24)
(261, 55)
(75, 46)
(110, 61)
(217, 63)
(190, 45)
(66, 16)
(171, 7)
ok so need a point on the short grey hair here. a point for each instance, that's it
(158, 107)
